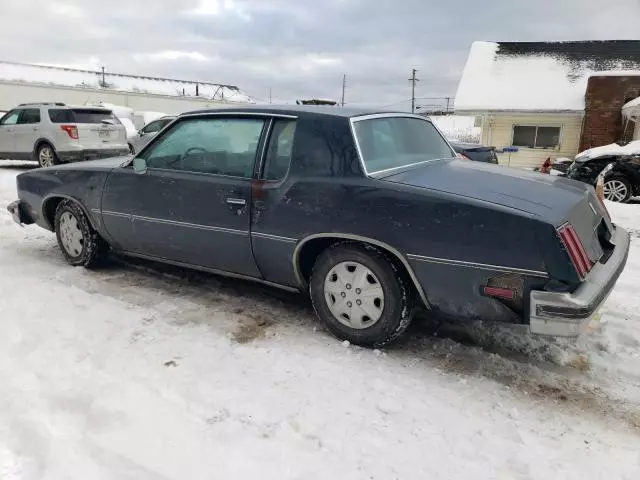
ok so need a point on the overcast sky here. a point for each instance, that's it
(298, 48)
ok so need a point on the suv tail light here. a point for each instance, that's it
(71, 130)
(578, 254)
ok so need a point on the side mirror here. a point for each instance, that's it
(140, 133)
(140, 166)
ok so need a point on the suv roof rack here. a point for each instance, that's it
(59, 104)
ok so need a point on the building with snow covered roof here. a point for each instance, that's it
(550, 99)
(26, 83)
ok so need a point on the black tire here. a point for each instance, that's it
(398, 307)
(620, 179)
(46, 151)
(93, 247)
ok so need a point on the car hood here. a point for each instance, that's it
(103, 163)
(535, 193)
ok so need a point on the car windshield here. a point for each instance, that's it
(391, 142)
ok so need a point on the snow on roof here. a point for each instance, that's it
(71, 77)
(540, 76)
(631, 148)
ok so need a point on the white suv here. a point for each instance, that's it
(52, 133)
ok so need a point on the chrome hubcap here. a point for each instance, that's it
(70, 234)
(615, 191)
(354, 295)
(46, 157)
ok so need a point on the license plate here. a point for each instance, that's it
(104, 133)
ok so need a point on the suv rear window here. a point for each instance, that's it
(81, 115)
(391, 142)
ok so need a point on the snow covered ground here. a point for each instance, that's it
(139, 371)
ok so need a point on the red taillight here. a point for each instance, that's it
(576, 250)
(71, 130)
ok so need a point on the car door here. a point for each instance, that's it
(7, 139)
(146, 134)
(192, 205)
(26, 132)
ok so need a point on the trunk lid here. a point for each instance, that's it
(556, 200)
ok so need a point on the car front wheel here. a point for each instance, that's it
(81, 245)
(361, 295)
(617, 189)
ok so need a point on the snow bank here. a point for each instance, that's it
(632, 148)
(458, 127)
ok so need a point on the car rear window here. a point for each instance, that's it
(81, 115)
(94, 116)
(391, 142)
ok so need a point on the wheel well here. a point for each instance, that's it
(49, 209)
(311, 250)
(41, 142)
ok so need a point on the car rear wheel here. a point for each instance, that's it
(360, 295)
(617, 189)
(81, 245)
(47, 156)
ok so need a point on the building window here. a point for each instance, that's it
(536, 137)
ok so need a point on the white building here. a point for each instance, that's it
(24, 83)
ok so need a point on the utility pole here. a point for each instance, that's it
(448, 102)
(269, 95)
(344, 87)
(413, 81)
(104, 84)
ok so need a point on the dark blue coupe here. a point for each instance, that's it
(372, 213)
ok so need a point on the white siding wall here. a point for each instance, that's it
(497, 130)
(14, 93)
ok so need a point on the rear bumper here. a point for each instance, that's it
(568, 314)
(91, 154)
(18, 211)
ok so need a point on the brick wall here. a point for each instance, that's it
(604, 99)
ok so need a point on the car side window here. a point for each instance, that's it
(29, 116)
(214, 145)
(278, 159)
(59, 115)
(11, 118)
(154, 127)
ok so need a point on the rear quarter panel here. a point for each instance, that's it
(38, 187)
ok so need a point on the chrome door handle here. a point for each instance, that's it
(237, 201)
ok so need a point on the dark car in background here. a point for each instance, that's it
(475, 152)
(372, 213)
(621, 183)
